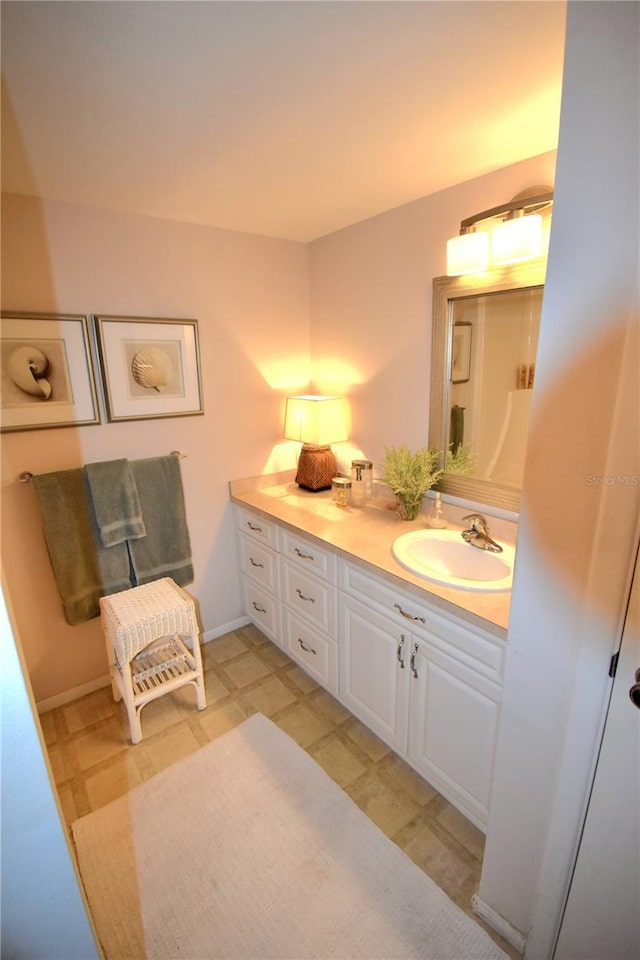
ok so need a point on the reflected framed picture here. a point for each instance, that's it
(47, 377)
(150, 367)
(461, 352)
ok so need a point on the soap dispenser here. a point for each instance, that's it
(436, 516)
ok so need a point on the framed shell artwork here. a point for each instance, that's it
(46, 377)
(150, 367)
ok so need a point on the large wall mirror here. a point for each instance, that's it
(485, 339)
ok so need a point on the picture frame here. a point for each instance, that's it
(47, 372)
(461, 351)
(150, 367)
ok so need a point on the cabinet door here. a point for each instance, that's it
(373, 674)
(316, 653)
(452, 730)
(263, 609)
(312, 598)
(259, 562)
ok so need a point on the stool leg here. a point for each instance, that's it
(135, 728)
(115, 689)
(114, 673)
(201, 697)
(200, 694)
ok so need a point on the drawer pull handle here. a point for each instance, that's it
(399, 653)
(412, 662)
(306, 649)
(302, 596)
(256, 607)
(304, 556)
(409, 616)
(254, 563)
(253, 527)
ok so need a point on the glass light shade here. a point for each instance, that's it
(516, 240)
(314, 419)
(468, 253)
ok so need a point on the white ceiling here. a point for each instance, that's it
(291, 119)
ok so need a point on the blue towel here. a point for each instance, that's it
(166, 549)
(116, 505)
(84, 570)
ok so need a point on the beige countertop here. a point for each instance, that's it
(365, 536)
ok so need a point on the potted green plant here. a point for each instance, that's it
(409, 475)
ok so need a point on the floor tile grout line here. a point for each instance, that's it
(376, 770)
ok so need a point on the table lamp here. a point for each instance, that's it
(315, 421)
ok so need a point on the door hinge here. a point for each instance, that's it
(613, 665)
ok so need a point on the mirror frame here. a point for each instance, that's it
(446, 289)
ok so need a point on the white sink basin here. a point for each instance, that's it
(442, 556)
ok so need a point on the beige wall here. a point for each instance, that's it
(250, 297)
(369, 335)
(370, 294)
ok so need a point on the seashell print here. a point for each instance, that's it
(27, 366)
(152, 367)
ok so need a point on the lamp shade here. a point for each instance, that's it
(468, 253)
(515, 240)
(315, 419)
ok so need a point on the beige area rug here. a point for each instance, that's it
(247, 849)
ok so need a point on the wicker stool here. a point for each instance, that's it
(148, 631)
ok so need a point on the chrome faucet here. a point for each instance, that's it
(478, 534)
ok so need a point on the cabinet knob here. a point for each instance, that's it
(302, 596)
(306, 649)
(303, 556)
(409, 616)
(399, 653)
(412, 662)
(254, 563)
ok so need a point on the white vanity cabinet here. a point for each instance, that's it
(424, 680)
(453, 724)
(374, 675)
(257, 539)
(308, 591)
(428, 685)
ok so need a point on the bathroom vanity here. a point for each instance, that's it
(420, 664)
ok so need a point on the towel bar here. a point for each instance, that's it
(26, 476)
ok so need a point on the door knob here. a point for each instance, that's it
(634, 692)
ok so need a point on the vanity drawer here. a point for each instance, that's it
(312, 598)
(464, 642)
(259, 562)
(315, 653)
(309, 555)
(263, 609)
(256, 526)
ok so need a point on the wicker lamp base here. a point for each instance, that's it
(316, 467)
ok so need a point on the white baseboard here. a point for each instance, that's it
(498, 923)
(225, 628)
(75, 693)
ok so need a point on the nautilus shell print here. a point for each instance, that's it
(27, 366)
(152, 368)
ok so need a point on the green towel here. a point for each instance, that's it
(166, 549)
(115, 501)
(456, 436)
(84, 570)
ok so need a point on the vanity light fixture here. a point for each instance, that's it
(511, 233)
(316, 422)
(468, 253)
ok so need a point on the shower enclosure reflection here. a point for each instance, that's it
(485, 338)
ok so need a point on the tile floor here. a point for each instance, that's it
(94, 762)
